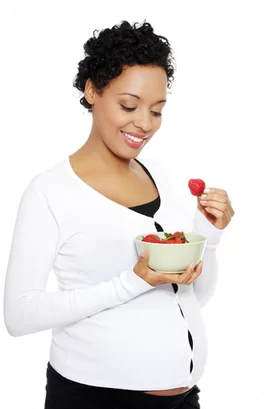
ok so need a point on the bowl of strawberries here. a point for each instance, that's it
(171, 252)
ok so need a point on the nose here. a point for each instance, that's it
(143, 121)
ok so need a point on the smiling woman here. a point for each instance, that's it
(135, 115)
(123, 335)
(124, 78)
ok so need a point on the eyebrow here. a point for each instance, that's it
(136, 96)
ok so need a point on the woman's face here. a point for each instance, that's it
(131, 104)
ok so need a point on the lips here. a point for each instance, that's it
(136, 135)
(132, 141)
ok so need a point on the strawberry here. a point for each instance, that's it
(177, 233)
(196, 186)
(172, 241)
(177, 237)
(151, 238)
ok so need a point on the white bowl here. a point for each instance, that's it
(172, 258)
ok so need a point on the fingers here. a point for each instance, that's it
(196, 274)
(230, 213)
(216, 190)
(176, 278)
(185, 278)
(213, 203)
(218, 206)
(219, 214)
(215, 197)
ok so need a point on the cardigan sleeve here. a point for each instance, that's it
(28, 307)
(205, 284)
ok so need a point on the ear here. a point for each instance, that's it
(90, 92)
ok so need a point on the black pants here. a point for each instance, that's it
(62, 393)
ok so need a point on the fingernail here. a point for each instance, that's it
(142, 254)
(192, 265)
(207, 190)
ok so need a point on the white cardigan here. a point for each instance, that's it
(109, 327)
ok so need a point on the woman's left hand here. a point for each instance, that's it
(216, 207)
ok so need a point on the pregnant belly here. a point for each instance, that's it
(169, 392)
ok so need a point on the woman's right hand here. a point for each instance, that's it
(155, 278)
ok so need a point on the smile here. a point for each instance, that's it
(133, 138)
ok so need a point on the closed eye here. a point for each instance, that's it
(132, 109)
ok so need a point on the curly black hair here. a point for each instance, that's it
(123, 45)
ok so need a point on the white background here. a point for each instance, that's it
(217, 125)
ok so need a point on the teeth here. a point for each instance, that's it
(133, 138)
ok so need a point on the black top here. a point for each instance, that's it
(150, 208)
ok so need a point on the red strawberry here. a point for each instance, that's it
(175, 238)
(177, 233)
(151, 238)
(196, 186)
(180, 235)
(172, 241)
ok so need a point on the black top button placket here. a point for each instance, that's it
(175, 288)
(149, 209)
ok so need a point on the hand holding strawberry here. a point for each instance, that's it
(213, 203)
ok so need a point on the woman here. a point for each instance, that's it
(123, 336)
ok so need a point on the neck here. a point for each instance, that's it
(96, 154)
